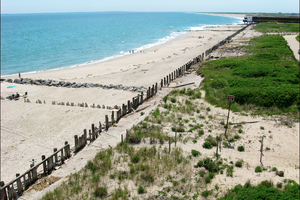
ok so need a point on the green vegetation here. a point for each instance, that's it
(264, 82)
(258, 169)
(276, 27)
(264, 190)
(241, 148)
(298, 38)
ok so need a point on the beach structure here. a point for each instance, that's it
(252, 19)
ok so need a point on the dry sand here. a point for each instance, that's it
(29, 130)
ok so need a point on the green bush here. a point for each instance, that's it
(195, 153)
(156, 113)
(239, 164)
(240, 130)
(206, 193)
(141, 190)
(173, 100)
(165, 98)
(201, 132)
(207, 180)
(207, 145)
(258, 169)
(211, 175)
(135, 159)
(201, 173)
(241, 148)
(100, 192)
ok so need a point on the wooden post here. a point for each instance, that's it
(128, 106)
(55, 156)
(142, 97)
(217, 150)
(19, 184)
(34, 174)
(44, 164)
(76, 142)
(169, 144)
(62, 158)
(93, 132)
(227, 120)
(85, 136)
(100, 127)
(161, 84)
(106, 122)
(3, 194)
(112, 117)
(67, 150)
(122, 138)
(220, 142)
(126, 134)
(261, 148)
(175, 137)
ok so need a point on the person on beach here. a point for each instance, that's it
(19, 75)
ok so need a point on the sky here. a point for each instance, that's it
(45, 6)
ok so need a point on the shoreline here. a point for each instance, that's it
(125, 53)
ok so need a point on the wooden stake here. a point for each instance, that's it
(227, 119)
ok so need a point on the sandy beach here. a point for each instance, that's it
(30, 130)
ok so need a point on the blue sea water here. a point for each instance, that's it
(44, 41)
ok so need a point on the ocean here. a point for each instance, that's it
(48, 41)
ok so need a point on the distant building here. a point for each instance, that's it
(251, 19)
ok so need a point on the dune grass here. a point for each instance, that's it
(267, 27)
(264, 82)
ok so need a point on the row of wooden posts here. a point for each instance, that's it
(16, 187)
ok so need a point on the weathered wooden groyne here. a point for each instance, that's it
(15, 188)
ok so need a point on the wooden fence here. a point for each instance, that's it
(16, 187)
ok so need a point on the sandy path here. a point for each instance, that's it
(294, 44)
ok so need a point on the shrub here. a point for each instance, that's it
(112, 176)
(237, 137)
(208, 108)
(156, 112)
(211, 175)
(175, 183)
(147, 177)
(241, 148)
(100, 192)
(274, 169)
(165, 98)
(135, 159)
(201, 132)
(280, 173)
(240, 130)
(195, 153)
(262, 128)
(239, 164)
(279, 185)
(206, 193)
(266, 183)
(207, 145)
(173, 100)
(141, 190)
(207, 180)
(258, 169)
(201, 173)
(229, 171)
